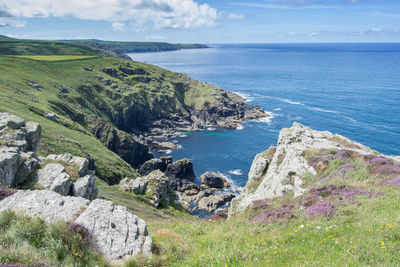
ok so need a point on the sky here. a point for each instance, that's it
(204, 21)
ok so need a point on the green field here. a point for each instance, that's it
(55, 58)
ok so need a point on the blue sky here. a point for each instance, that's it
(204, 21)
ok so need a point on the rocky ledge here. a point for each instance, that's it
(302, 162)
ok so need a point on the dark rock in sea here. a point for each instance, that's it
(214, 180)
(181, 169)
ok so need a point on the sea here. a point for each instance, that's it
(350, 89)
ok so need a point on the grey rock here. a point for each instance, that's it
(138, 186)
(34, 132)
(213, 202)
(157, 188)
(10, 162)
(51, 116)
(44, 204)
(11, 121)
(88, 69)
(258, 167)
(84, 187)
(29, 164)
(117, 233)
(81, 163)
(61, 184)
(48, 174)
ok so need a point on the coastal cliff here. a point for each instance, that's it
(130, 107)
(304, 159)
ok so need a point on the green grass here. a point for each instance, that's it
(33, 242)
(55, 58)
(347, 239)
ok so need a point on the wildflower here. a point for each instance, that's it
(267, 260)
(382, 243)
(318, 227)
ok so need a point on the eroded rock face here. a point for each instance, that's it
(152, 165)
(117, 232)
(258, 167)
(284, 172)
(81, 163)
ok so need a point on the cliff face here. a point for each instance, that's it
(304, 158)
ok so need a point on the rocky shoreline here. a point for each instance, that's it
(229, 111)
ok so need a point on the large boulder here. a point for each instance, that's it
(48, 174)
(44, 204)
(84, 187)
(181, 169)
(117, 233)
(157, 188)
(61, 184)
(30, 163)
(214, 180)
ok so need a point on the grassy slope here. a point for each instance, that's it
(88, 96)
(28, 47)
(363, 232)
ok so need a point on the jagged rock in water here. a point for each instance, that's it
(288, 164)
(181, 169)
(167, 145)
(214, 180)
(117, 233)
(84, 187)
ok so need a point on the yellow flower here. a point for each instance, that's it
(295, 231)
(383, 243)
(267, 260)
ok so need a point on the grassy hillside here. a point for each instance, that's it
(28, 47)
(11, 46)
(87, 103)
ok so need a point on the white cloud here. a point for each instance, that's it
(118, 26)
(155, 37)
(143, 13)
(235, 16)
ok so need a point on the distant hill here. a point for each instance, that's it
(12, 46)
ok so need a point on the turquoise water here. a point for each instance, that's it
(349, 89)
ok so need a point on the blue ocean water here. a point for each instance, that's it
(349, 89)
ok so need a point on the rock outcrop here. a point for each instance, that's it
(283, 170)
(214, 180)
(117, 233)
(18, 142)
